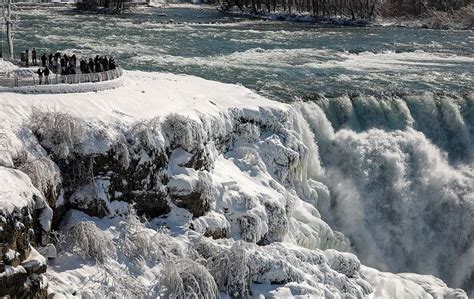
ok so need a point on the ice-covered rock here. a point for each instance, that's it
(25, 218)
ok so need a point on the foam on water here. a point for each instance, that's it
(401, 178)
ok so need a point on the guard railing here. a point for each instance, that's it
(61, 79)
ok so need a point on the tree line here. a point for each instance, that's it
(362, 9)
(112, 5)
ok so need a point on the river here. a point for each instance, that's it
(282, 60)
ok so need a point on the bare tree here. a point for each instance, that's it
(7, 16)
(354, 9)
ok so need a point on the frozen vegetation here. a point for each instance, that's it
(213, 191)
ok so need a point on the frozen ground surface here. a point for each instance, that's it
(138, 99)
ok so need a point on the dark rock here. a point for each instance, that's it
(219, 233)
(18, 278)
(194, 202)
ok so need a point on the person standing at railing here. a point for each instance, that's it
(82, 65)
(50, 60)
(104, 63)
(56, 61)
(33, 56)
(55, 64)
(40, 76)
(91, 65)
(43, 60)
(112, 65)
(98, 67)
(66, 60)
(74, 60)
(46, 75)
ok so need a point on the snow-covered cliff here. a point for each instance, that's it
(174, 185)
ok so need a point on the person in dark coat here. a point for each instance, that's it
(74, 60)
(66, 62)
(82, 65)
(91, 65)
(112, 65)
(40, 76)
(97, 62)
(50, 59)
(43, 60)
(46, 75)
(33, 57)
(98, 67)
(63, 66)
(105, 64)
(72, 70)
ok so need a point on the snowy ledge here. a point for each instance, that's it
(133, 97)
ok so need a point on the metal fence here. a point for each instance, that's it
(61, 79)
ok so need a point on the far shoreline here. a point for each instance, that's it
(402, 22)
(425, 22)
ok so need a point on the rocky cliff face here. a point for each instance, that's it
(24, 222)
(158, 166)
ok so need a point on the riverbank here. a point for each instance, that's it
(457, 20)
(462, 19)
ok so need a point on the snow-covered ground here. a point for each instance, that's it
(255, 228)
(143, 96)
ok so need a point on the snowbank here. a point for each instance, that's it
(143, 96)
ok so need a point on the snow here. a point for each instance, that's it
(6, 67)
(143, 96)
(408, 285)
(10, 271)
(34, 261)
(16, 190)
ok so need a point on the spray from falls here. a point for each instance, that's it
(401, 180)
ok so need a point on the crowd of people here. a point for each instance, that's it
(64, 64)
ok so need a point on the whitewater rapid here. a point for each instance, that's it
(281, 60)
(401, 180)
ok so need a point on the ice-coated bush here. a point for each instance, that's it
(343, 262)
(141, 244)
(229, 267)
(85, 239)
(44, 175)
(184, 132)
(250, 227)
(186, 278)
(58, 131)
(147, 135)
(248, 132)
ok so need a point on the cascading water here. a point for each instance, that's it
(401, 179)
